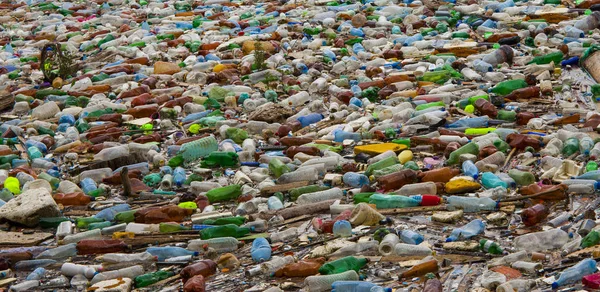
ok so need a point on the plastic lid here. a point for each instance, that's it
(554, 285)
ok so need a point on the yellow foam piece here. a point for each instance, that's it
(375, 149)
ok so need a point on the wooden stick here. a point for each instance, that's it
(412, 210)
(126, 182)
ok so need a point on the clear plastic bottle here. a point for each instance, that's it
(138, 258)
(60, 252)
(425, 188)
(404, 249)
(541, 241)
(221, 245)
(75, 238)
(323, 283)
(70, 270)
(331, 194)
(467, 231)
(284, 235)
(130, 272)
(386, 246)
(199, 148)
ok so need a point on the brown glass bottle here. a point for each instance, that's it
(291, 151)
(100, 246)
(420, 269)
(486, 108)
(203, 267)
(534, 214)
(398, 179)
(302, 268)
(72, 199)
(524, 93)
(443, 174)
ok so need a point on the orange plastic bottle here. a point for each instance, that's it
(100, 246)
(195, 284)
(534, 214)
(314, 151)
(420, 269)
(398, 179)
(72, 199)
(203, 267)
(443, 174)
(302, 268)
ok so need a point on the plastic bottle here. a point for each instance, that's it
(331, 194)
(357, 286)
(575, 273)
(130, 272)
(165, 252)
(410, 237)
(490, 181)
(428, 188)
(467, 231)
(261, 250)
(70, 270)
(386, 247)
(151, 278)
(534, 214)
(323, 283)
(342, 228)
(387, 201)
(541, 241)
(355, 180)
(204, 267)
(469, 168)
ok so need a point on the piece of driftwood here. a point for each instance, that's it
(298, 210)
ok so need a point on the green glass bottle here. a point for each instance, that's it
(226, 193)
(229, 230)
(277, 167)
(125, 216)
(344, 264)
(84, 223)
(506, 87)
(555, 57)
(591, 239)
(52, 222)
(151, 278)
(297, 192)
(490, 246)
(236, 220)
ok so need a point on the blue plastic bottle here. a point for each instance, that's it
(478, 122)
(108, 214)
(355, 180)
(261, 250)
(310, 119)
(87, 185)
(37, 274)
(595, 175)
(340, 136)
(179, 176)
(490, 181)
(165, 252)
(357, 286)
(469, 169)
(410, 237)
(575, 273)
(342, 228)
(467, 231)
(39, 145)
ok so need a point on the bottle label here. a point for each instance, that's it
(487, 245)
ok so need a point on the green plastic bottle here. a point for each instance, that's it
(176, 161)
(342, 265)
(522, 178)
(382, 201)
(460, 35)
(219, 158)
(591, 166)
(84, 223)
(390, 169)
(100, 77)
(106, 39)
(490, 246)
(52, 222)
(98, 225)
(125, 216)
(591, 239)
(277, 167)
(52, 180)
(506, 87)
(41, 94)
(224, 193)
(389, 161)
(403, 141)
(501, 145)
(229, 230)
(463, 103)
(570, 146)
(236, 134)
(171, 227)
(297, 192)
(555, 57)
(235, 220)
(428, 105)
(469, 148)
(438, 77)
(362, 197)
(151, 278)
(509, 116)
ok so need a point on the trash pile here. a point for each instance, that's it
(299, 145)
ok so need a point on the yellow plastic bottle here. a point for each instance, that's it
(479, 131)
(405, 156)
(188, 205)
(12, 184)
